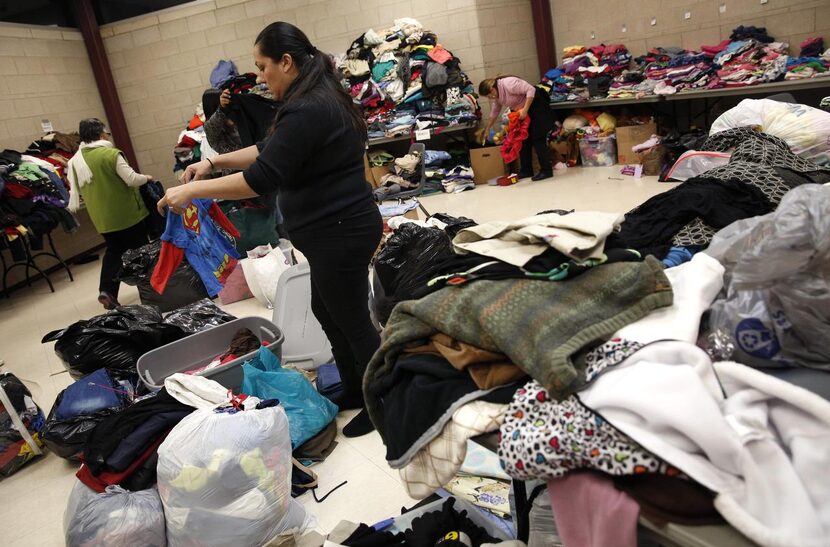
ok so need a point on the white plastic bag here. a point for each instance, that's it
(116, 517)
(805, 129)
(225, 479)
(693, 163)
(262, 271)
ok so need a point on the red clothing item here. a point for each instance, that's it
(108, 478)
(517, 132)
(18, 191)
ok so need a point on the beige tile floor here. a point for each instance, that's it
(33, 500)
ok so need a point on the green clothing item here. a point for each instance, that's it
(542, 327)
(30, 171)
(112, 205)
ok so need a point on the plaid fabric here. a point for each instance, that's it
(436, 464)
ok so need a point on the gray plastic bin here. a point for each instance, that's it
(201, 348)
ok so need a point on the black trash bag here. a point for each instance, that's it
(68, 437)
(198, 316)
(184, 287)
(403, 265)
(16, 450)
(137, 264)
(454, 224)
(113, 341)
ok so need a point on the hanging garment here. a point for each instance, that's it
(516, 134)
(195, 235)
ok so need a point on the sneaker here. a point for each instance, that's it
(108, 301)
(541, 175)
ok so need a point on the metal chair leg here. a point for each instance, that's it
(58, 257)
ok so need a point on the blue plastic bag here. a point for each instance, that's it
(308, 412)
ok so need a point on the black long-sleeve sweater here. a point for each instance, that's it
(314, 159)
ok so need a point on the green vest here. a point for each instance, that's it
(112, 205)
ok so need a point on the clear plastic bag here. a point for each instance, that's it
(805, 129)
(308, 411)
(116, 517)
(21, 425)
(225, 479)
(776, 311)
(693, 163)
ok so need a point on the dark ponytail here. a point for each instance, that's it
(317, 76)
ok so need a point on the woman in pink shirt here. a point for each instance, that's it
(520, 96)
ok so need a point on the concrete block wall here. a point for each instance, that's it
(162, 62)
(45, 73)
(710, 21)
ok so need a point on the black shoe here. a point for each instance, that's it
(347, 401)
(525, 175)
(359, 426)
(108, 301)
(541, 175)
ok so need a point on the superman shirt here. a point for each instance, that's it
(194, 235)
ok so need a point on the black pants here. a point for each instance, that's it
(339, 259)
(117, 242)
(541, 122)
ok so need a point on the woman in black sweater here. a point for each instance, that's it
(314, 159)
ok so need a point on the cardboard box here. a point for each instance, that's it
(631, 136)
(486, 163)
(377, 174)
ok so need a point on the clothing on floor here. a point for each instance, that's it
(579, 235)
(92, 393)
(101, 480)
(590, 512)
(109, 434)
(195, 234)
(339, 258)
(319, 446)
(117, 243)
(409, 425)
(538, 326)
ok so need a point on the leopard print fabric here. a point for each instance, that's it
(542, 438)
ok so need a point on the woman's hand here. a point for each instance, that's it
(197, 171)
(522, 114)
(178, 198)
(225, 98)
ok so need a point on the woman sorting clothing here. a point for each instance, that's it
(100, 175)
(527, 100)
(314, 158)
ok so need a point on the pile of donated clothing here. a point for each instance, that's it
(615, 375)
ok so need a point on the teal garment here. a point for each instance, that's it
(382, 69)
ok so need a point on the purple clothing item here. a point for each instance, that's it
(513, 92)
(590, 512)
